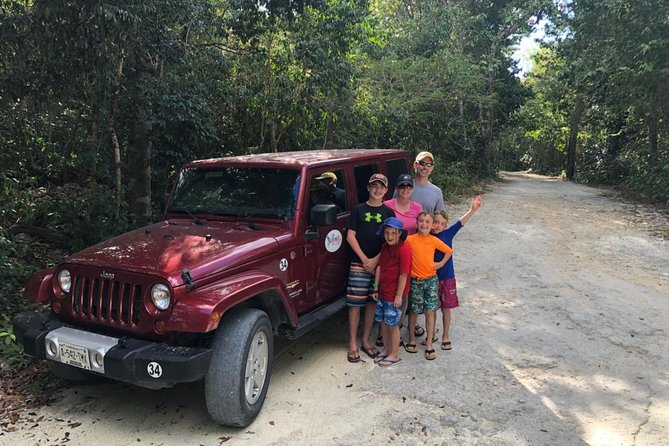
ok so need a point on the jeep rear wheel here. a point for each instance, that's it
(241, 364)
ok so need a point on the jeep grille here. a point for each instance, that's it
(105, 300)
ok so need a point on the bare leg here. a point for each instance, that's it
(353, 321)
(412, 326)
(405, 305)
(368, 325)
(383, 329)
(430, 319)
(387, 346)
(393, 333)
(446, 319)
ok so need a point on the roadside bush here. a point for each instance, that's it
(41, 225)
(11, 353)
(649, 182)
(456, 180)
(632, 171)
(70, 216)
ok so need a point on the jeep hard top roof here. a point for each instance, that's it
(302, 158)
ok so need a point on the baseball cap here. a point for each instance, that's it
(327, 176)
(404, 179)
(423, 155)
(393, 222)
(378, 177)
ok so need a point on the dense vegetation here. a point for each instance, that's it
(100, 102)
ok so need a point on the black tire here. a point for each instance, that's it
(235, 395)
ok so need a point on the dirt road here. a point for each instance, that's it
(561, 339)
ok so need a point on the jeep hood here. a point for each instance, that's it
(166, 248)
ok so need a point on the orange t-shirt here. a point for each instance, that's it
(422, 254)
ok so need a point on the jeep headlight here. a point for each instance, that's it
(65, 280)
(160, 295)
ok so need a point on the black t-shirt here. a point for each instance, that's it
(365, 220)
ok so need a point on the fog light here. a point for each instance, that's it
(98, 360)
(51, 348)
(159, 326)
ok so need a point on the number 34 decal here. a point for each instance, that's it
(154, 370)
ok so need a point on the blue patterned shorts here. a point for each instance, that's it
(387, 313)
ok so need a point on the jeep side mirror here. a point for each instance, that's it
(323, 215)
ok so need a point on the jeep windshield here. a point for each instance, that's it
(234, 191)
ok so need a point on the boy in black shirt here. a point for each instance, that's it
(363, 224)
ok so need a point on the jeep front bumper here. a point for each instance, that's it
(135, 361)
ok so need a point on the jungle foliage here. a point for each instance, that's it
(101, 102)
(599, 99)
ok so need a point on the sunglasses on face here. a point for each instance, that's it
(405, 186)
(425, 164)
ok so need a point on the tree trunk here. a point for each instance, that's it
(89, 151)
(89, 169)
(653, 121)
(463, 122)
(574, 121)
(273, 138)
(490, 118)
(139, 170)
(117, 170)
(139, 149)
(492, 68)
(114, 138)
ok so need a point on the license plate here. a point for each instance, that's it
(74, 355)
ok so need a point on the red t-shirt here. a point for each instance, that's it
(393, 261)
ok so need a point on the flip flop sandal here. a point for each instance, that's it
(419, 331)
(388, 362)
(434, 339)
(371, 352)
(430, 355)
(353, 356)
(410, 348)
(380, 358)
(446, 345)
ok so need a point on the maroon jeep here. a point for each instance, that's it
(248, 247)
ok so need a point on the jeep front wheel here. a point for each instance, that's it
(241, 364)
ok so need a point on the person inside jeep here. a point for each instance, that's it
(327, 190)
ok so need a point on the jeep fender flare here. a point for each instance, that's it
(201, 310)
(39, 288)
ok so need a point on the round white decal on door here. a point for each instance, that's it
(154, 370)
(333, 240)
(283, 264)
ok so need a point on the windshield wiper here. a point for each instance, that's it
(195, 218)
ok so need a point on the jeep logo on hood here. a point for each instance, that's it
(106, 275)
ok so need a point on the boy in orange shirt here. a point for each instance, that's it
(423, 294)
